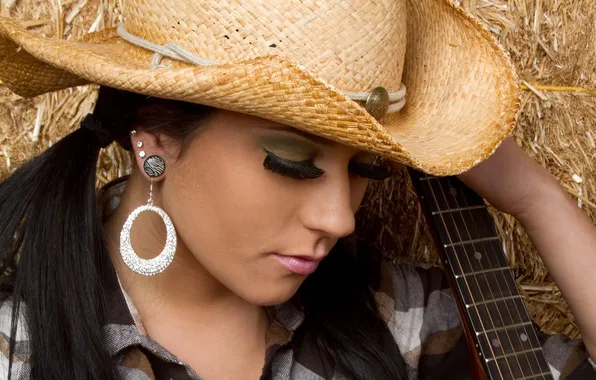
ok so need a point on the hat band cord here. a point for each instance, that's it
(171, 50)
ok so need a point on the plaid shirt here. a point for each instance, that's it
(417, 305)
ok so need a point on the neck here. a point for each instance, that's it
(497, 324)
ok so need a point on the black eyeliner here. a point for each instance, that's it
(306, 169)
(294, 169)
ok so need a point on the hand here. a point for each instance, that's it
(511, 181)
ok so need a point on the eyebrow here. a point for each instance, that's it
(306, 135)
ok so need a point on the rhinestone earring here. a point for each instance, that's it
(154, 166)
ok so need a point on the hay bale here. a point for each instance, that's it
(29, 126)
(551, 43)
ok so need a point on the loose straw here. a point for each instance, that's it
(539, 87)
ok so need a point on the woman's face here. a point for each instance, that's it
(259, 204)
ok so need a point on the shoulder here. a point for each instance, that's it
(409, 294)
(413, 289)
(22, 349)
(420, 310)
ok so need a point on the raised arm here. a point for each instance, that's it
(564, 236)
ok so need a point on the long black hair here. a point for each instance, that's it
(54, 264)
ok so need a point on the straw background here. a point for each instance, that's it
(552, 43)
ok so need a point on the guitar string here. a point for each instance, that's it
(485, 275)
(490, 262)
(429, 182)
(466, 253)
(520, 314)
(482, 266)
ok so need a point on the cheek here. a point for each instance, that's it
(230, 212)
(227, 199)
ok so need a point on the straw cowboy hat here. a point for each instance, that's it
(419, 82)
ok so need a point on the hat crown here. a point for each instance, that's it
(355, 45)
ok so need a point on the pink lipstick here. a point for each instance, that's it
(298, 265)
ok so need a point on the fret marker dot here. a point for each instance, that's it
(478, 256)
(523, 337)
(453, 191)
(496, 343)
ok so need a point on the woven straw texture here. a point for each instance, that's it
(291, 62)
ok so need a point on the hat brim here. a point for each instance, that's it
(462, 101)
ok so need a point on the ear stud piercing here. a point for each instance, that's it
(154, 166)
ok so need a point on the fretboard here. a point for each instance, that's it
(473, 257)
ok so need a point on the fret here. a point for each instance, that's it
(480, 256)
(459, 209)
(460, 226)
(519, 366)
(515, 343)
(445, 194)
(508, 341)
(527, 325)
(541, 376)
(492, 301)
(485, 271)
(514, 354)
(483, 287)
(457, 193)
(472, 251)
(454, 244)
(515, 307)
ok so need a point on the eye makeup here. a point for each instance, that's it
(370, 171)
(289, 147)
(308, 170)
(293, 157)
(290, 155)
(294, 169)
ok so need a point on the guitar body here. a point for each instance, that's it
(501, 336)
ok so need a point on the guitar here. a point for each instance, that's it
(499, 331)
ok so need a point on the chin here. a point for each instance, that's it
(272, 295)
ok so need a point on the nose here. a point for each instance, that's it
(329, 209)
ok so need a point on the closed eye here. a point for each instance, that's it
(294, 169)
(370, 171)
(306, 169)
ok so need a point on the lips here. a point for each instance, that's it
(297, 264)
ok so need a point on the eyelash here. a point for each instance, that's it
(307, 170)
(293, 169)
(370, 171)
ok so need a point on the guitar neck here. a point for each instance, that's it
(493, 309)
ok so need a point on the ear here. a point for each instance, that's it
(145, 145)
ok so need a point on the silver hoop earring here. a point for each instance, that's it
(164, 259)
